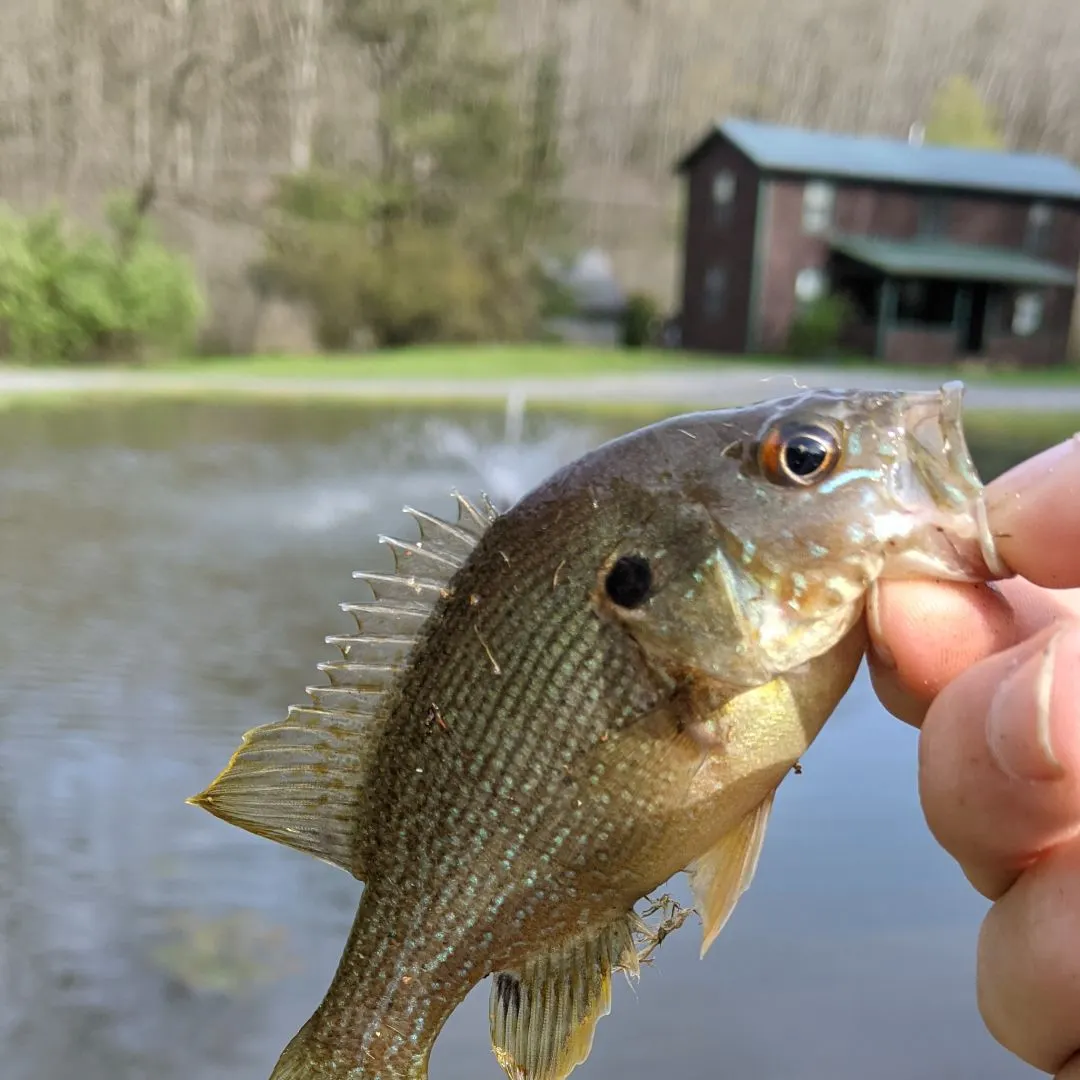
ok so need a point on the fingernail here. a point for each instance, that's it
(878, 645)
(1018, 727)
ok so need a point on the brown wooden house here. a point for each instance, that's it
(943, 253)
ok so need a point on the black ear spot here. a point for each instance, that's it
(629, 581)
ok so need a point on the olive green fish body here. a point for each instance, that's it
(548, 713)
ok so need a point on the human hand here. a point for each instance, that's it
(991, 674)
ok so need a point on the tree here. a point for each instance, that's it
(959, 117)
(433, 236)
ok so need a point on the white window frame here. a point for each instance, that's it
(724, 186)
(1029, 310)
(1040, 223)
(810, 293)
(818, 206)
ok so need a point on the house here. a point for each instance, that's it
(595, 295)
(944, 253)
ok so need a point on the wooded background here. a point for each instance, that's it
(215, 99)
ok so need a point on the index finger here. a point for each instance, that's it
(1034, 515)
(924, 634)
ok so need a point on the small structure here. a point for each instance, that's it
(943, 253)
(597, 298)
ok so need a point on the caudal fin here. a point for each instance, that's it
(316, 1053)
(300, 1060)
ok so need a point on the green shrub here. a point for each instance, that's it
(818, 326)
(74, 296)
(640, 321)
(359, 266)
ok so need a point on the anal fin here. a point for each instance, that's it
(543, 1018)
(720, 876)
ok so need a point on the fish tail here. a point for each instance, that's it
(308, 1057)
(375, 1021)
(299, 1061)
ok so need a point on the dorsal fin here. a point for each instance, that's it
(543, 1017)
(300, 781)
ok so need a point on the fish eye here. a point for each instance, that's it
(799, 456)
(628, 581)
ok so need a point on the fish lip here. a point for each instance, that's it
(936, 438)
(960, 460)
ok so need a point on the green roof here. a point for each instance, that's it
(896, 161)
(944, 259)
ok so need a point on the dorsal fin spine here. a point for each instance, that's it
(300, 781)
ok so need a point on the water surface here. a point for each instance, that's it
(167, 575)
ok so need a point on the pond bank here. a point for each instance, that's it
(732, 384)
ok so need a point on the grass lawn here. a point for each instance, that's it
(562, 362)
(228, 376)
(468, 362)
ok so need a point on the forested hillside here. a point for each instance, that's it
(214, 100)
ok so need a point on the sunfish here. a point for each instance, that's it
(545, 714)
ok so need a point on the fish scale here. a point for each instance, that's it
(519, 742)
(486, 702)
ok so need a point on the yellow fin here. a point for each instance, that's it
(543, 1017)
(300, 781)
(724, 873)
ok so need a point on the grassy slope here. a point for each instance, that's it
(484, 362)
(563, 362)
(554, 361)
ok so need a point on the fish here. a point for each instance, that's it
(546, 713)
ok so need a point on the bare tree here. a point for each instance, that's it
(217, 99)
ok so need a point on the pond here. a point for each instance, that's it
(167, 575)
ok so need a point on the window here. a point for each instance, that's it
(1027, 313)
(723, 196)
(819, 197)
(927, 303)
(723, 190)
(934, 214)
(1039, 223)
(715, 292)
(810, 284)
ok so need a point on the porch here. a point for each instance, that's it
(936, 302)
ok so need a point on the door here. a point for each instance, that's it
(973, 328)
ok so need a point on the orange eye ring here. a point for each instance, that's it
(799, 456)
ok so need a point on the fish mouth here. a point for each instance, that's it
(942, 487)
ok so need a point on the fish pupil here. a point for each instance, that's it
(804, 455)
(629, 580)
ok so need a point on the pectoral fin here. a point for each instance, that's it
(543, 1017)
(724, 873)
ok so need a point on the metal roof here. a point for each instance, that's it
(821, 153)
(944, 259)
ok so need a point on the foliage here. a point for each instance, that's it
(534, 205)
(70, 295)
(407, 284)
(214, 97)
(438, 239)
(818, 326)
(640, 321)
(959, 117)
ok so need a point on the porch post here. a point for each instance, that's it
(962, 311)
(886, 315)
